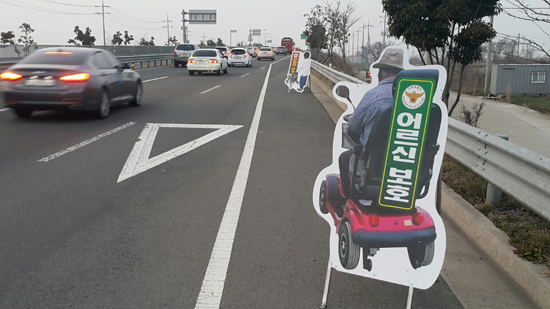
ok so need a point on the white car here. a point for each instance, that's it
(207, 61)
(266, 53)
(182, 53)
(240, 56)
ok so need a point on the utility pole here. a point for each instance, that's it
(167, 28)
(103, 6)
(518, 45)
(384, 32)
(352, 45)
(488, 63)
(368, 25)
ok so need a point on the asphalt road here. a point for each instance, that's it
(75, 234)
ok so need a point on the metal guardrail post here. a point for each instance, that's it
(494, 194)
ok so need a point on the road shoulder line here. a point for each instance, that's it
(213, 283)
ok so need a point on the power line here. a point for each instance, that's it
(68, 4)
(129, 26)
(41, 9)
(129, 17)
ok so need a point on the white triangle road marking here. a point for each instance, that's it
(139, 161)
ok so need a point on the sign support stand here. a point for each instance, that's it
(327, 284)
(410, 297)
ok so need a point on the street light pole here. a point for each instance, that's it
(488, 64)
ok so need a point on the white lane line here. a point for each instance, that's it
(206, 91)
(211, 291)
(154, 79)
(4, 109)
(245, 75)
(262, 68)
(140, 159)
(84, 143)
(281, 59)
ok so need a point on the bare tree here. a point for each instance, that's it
(534, 14)
(346, 18)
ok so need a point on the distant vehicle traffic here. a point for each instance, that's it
(265, 53)
(224, 49)
(70, 78)
(281, 50)
(251, 51)
(239, 56)
(182, 53)
(288, 43)
(207, 61)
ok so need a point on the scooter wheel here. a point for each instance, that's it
(323, 197)
(348, 251)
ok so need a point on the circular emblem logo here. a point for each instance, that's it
(414, 96)
(296, 55)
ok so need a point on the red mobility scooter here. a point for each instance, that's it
(360, 222)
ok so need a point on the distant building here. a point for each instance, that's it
(533, 79)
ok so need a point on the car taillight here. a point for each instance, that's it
(10, 76)
(175, 54)
(374, 220)
(269, 53)
(213, 61)
(79, 77)
(245, 55)
(418, 218)
(259, 53)
(191, 61)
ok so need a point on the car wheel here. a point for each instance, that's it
(138, 97)
(104, 107)
(225, 71)
(191, 72)
(176, 64)
(219, 72)
(348, 251)
(22, 112)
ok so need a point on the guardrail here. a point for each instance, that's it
(141, 59)
(519, 172)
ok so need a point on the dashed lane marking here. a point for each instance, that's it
(208, 90)
(84, 143)
(154, 79)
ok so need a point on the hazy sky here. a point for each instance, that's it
(54, 20)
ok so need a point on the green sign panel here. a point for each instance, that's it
(411, 113)
(303, 36)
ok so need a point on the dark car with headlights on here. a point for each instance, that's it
(74, 78)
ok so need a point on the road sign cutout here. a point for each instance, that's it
(139, 159)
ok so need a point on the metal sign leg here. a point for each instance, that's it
(410, 297)
(327, 284)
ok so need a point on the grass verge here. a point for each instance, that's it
(538, 103)
(528, 233)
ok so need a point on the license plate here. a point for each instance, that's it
(238, 57)
(40, 82)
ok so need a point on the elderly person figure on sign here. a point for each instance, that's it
(361, 121)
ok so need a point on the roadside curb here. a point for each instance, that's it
(533, 279)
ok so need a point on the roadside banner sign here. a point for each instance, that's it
(298, 71)
(405, 147)
(379, 194)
